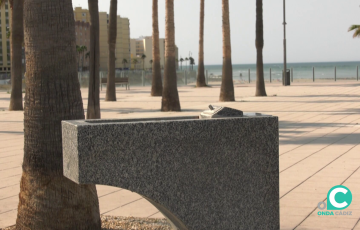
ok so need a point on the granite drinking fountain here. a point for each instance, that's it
(219, 170)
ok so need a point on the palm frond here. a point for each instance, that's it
(353, 27)
(356, 33)
(357, 30)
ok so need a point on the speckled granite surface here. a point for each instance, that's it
(201, 174)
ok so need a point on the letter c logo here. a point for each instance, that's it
(332, 198)
(343, 196)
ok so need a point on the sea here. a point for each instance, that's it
(322, 70)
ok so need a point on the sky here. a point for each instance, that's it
(316, 29)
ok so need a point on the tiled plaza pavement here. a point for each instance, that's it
(319, 147)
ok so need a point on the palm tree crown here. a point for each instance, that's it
(143, 59)
(134, 61)
(192, 62)
(124, 62)
(357, 30)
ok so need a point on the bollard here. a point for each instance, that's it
(270, 75)
(335, 73)
(313, 74)
(185, 78)
(142, 78)
(207, 78)
(249, 76)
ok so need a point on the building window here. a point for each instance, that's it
(83, 14)
(83, 20)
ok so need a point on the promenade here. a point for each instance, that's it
(319, 146)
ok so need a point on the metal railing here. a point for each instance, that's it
(188, 77)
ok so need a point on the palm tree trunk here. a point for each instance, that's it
(78, 52)
(200, 82)
(82, 61)
(156, 85)
(16, 37)
(93, 108)
(110, 86)
(170, 98)
(260, 83)
(47, 199)
(227, 84)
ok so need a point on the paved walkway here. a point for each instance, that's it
(319, 147)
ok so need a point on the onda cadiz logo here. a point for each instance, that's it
(338, 198)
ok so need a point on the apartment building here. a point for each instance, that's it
(82, 32)
(5, 16)
(143, 45)
(122, 40)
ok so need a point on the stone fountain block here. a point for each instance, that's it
(220, 173)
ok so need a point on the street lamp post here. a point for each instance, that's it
(284, 75)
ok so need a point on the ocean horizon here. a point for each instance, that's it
(300, 70)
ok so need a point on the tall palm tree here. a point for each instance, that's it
(357, 30)
(186, 60)
(124, 62)
(151, 61)
(87, 56)
(181, 61)
(227, 84)
(200, 80)
(47, 199)
(260, 83)
(93, 108)
(192, 62)
(170, 97)
(110, 86)
(83, 50)
(156, 84)
(135, 61)
(16, 40)
(78, 50)
(143, 60)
